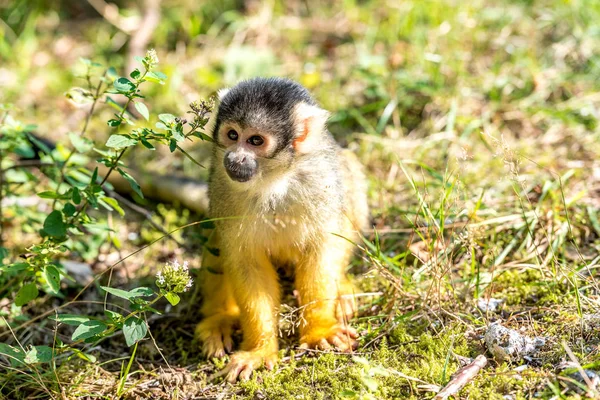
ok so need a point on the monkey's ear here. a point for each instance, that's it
(221, 93)
(212, 120)
(310, 122)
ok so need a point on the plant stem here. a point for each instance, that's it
(116, 163)
(83, 130)
(2, 185)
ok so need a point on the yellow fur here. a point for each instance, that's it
(299, 216)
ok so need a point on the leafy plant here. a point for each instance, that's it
(72, 190)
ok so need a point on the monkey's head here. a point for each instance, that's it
(263, 124)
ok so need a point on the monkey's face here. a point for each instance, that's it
(246, 150)
(262, 125)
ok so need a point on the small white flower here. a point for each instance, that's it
(152, 57)
(185, 266)
(188, 285)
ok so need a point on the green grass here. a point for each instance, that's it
(478, 125)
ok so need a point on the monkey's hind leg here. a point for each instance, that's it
(320, 280)
(219, 309)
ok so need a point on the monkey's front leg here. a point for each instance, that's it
(318, 281)
(256, 290)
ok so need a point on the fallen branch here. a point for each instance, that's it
(462, 377)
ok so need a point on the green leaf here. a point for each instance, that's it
(147, 144)
(207, 224)
(27, 293)
(114, 204)
(159, 75)
(52, 277)
(120, 141)
(172, 145)
(69, 210)
(49, 194)
(160, 125)
(81, 144)
(15, 355)
(141, 292)
(134, 185)
(124, 85)
(113, 122)
(38, 354)
(172, 298)
(54, 224)
(84, 356)
(117, 292)
(14, 267)
(76, 196)
(70, 319)
(134, 330)
(135, 74)
(156, 77)
(178, 133)
(39, 144)
(114, 316)
(213, 250)
(166, 118)
(88, 329)
(142, 109)
(114, 104)
(137, 292)
(111, 73)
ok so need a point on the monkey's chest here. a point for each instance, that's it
(282, 231)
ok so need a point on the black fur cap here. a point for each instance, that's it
(266, 104)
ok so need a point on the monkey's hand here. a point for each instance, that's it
(339, 336)
(215, 334)
(242, 363)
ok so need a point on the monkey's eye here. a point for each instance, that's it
(233, 135)
(256, 141)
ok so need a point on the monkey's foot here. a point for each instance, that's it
(242, 364)
(341, 337)
(215, 334)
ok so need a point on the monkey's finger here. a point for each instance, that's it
(270, 364)
(218, 374)
(350, 331)
(227, 342)
(304, 346)
(323, 345)
(246, 373)
(234, 372)
(340, 343)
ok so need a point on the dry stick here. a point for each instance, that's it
(462, 377)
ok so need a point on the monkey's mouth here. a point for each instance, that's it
(241, 172)
(240, 168)
(242, 175)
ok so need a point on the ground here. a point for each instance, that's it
(477, 123)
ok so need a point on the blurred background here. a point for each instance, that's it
(387, 69)
(481, 116)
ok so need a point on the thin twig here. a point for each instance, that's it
(462, 377)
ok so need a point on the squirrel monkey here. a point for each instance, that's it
(282, 193)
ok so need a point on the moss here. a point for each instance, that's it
(529, 287)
